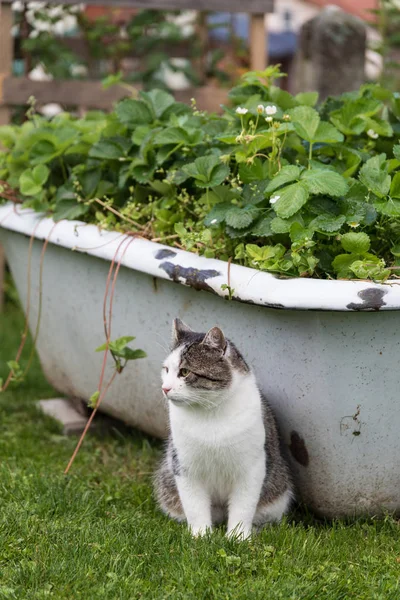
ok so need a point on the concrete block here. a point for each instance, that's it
(65, 412)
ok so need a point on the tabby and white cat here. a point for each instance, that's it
(223, 458)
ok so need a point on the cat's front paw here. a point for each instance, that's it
(199, 531)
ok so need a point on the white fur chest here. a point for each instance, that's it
(219, 447)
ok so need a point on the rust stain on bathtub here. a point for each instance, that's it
(351, 423)
(298, 449)
(372, 299)
(195, 278)
(164, 253)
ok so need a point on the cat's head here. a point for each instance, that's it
(202, 367)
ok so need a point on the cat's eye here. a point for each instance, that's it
(165, 369)
(184, 372)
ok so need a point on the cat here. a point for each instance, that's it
(223, 457)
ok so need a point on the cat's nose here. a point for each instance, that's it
(166, 390)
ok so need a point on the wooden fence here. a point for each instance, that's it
(90, 94)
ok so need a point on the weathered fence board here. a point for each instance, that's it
(90, 94)
(81, 48)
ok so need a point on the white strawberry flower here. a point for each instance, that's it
(270, 110)
(241, 111)
(372, 134)
(260, 109)
(274, 199)
(269, 119)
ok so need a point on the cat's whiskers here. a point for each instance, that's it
(199, 400)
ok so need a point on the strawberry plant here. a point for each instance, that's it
(276, 182)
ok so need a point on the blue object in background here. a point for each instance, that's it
(283, 44)
(18, 67)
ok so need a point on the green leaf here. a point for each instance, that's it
(201, 168)
(299, 233)
(292, 198)
(307, 98)
(347, 161)
(396, 250)
(259, 253)
(40, 174)
(217, 214)
(395, 186)
(324, 182)
(327, 134)
(172, 135)
(218, 176)
(180, 229)
(238, 218)
(263, 227)
(379, 126)
(89, 181)
(43, 152)
(375, 179)
(282, 98)
(93, 399)
(140, 133)
(69, 209)
(351, 118)
(13, 365)
(388, 206)
(8, 136)
(327, 223)
(254, 193)
(321, 205)
(207, 171)
(396, 151)
(133, 112)
(31, 181)
(256, 171)
(356, 243)
(285, 175)
(130, 354)
(159, 100)
(117, 344)
(279, 225)
(142, 172)
(106, 150)
(219, 193)
(119, 348)
(341, 265)
(370, 267)
(305, 120)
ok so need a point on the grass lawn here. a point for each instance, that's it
(98, 534)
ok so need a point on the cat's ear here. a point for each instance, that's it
(179, 330)
(215, 338)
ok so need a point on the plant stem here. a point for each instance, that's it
(310, 155)
(89, 422)
(107, 329)
(28, 304)
(39, 317)
(166, 237)
(64, 172)
(123, 217)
